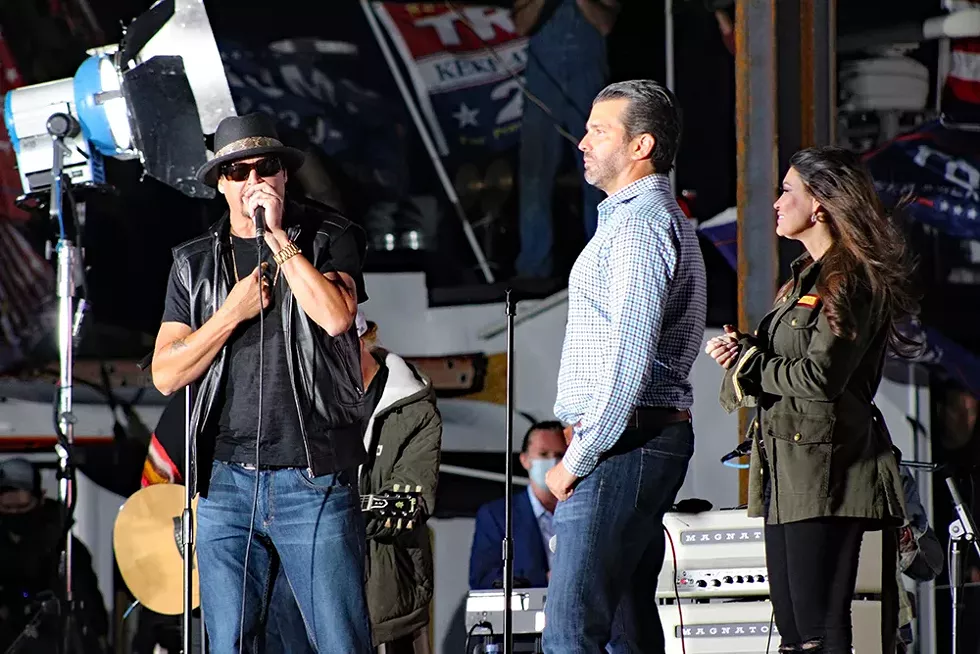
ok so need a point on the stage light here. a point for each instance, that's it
(139, 99)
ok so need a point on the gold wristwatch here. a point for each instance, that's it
(286, 253)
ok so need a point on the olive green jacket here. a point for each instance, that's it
(403, 440)
(817, 433)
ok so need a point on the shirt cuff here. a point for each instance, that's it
(578, 460)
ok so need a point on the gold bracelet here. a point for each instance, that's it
(286, 253)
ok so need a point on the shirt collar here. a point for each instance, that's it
(804, 267)
(652, 182)
(536, 506)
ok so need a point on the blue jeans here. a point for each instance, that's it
(313, 526)
(284, 627)
(610, 548)
(566, 69)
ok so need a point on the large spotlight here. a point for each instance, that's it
(138, 99)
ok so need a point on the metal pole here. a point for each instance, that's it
(508, 549)
(956, 551)
(187, 528)
(427, 141)
(756, 119)
(66, 291)
(59, 126)
(66, 486)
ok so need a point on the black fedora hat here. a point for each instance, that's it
(243, 137)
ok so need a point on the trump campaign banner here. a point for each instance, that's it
(466, 68)
(939, 169)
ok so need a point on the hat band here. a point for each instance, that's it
(248, 143)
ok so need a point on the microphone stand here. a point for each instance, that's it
(510, 306)
(962, 534)
(187, 526)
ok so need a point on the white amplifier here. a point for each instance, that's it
(723, 554)
(718, 627)
(744, 628)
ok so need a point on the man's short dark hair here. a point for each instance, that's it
(546, 425)
(653, 110)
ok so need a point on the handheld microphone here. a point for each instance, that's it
(743, 448)
(259, 218)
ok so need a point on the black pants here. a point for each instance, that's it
(812, 571)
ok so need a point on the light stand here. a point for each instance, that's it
(962, 534)
(61, 126)
(510, 306)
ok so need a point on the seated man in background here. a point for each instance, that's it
(32, 529)
(533, 511)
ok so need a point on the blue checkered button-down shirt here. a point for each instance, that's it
(636, 312)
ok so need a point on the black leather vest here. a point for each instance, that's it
(324, 371)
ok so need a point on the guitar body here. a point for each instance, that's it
(146, 542)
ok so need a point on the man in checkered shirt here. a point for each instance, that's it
(636, 311)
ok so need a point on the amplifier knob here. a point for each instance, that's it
(750, 579)
(716, 582)
(739, 579)
(729, 580)
(702, 583)
(760, 579)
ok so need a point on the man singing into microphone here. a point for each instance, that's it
(278, 409)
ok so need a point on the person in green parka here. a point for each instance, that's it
(823, 467)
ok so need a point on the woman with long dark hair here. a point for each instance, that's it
(823, 469)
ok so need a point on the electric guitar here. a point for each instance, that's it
(146, 540)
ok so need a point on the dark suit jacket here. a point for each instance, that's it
(530, 560)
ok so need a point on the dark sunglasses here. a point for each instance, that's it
(239, 172)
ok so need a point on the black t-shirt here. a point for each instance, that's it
(238, 407)
(281, 443)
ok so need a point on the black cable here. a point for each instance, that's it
(469, 634)
(771, 616)
(677, 593)
(258, 433)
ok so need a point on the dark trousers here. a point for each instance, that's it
(812, 571)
